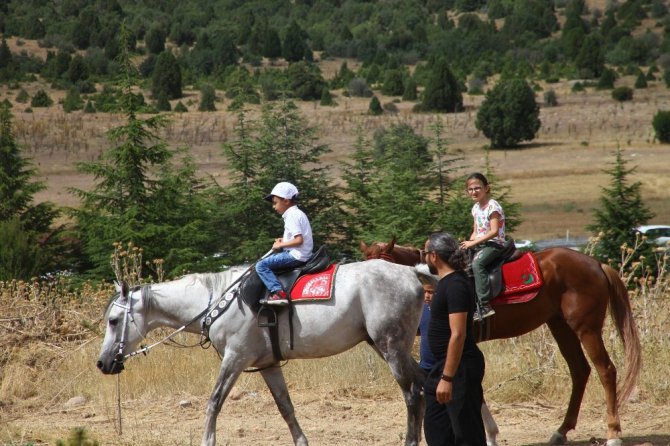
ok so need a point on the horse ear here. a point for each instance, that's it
(363, 247)
(125, 289)
(391, 245)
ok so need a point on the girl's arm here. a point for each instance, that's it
(493, 232)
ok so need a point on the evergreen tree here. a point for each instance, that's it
(621, 210)
(272, 48)
(207, 98)
(509, 114)
(41, 99)
(409, 91)
(443, 92)
(28, 243)
(326, 98)
(305, 80)
(375, 108)
(279, 147)
(72, 101)
(295, 45)
(590, 58)
(180, 108)
(661, 124)
(162, 103)
(7, 66)
(641, 81)
(140, 196)
(78, 70)
(166, 78)
(155, 40)
(393, 83)
(358, 177)
(400, 181)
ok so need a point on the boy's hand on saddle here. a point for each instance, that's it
(277, 245)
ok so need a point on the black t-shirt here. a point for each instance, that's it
(454, 294)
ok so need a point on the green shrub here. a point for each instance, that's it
(622, 94)
(661, 124)
(550, 98)
(41, 99)
(22, 97)
(180, 108)
(641, 81)
(375, 108)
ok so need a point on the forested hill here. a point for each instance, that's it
(527, 38)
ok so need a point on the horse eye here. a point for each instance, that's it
(113, 322)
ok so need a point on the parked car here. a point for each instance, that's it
(656, 234)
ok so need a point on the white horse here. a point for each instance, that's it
(374, 301)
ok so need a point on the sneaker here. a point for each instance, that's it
(485, 310)
(276, 298)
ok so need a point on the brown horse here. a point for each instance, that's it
(573, 302)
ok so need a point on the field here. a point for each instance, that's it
(47, 354)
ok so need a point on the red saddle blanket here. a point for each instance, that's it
(317, 286)
(522, 280)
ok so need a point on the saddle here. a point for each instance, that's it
(252, 289)
(509, 254)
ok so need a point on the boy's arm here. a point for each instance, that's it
(280, 243)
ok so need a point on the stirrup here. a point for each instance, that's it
(270, 315)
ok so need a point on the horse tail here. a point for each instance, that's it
(622, 314)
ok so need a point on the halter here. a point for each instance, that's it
(128, 316)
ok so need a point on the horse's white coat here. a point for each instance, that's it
(374, 301)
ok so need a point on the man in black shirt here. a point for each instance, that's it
(453, 389)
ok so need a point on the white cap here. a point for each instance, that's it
(283, 190)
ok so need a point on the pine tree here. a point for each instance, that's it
(375, 108)
(141, 196)
(166, 77)
(29, 245)
(207, 98)
(621, 210)
(295, 46)
(392, 189)
(443, 92)
(279, 147)
(509, 114)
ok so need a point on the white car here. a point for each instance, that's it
(657, 234)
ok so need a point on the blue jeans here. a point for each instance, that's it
(266, 266)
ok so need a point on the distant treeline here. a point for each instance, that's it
(209, 40)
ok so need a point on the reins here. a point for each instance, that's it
(204, 338)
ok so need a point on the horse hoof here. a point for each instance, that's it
(614, 442)
(491, 443)
(559, 438)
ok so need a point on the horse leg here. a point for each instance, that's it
(410, 378)
(570, 348)
(228, 373)
(595, 348)
(274, 378)
(490, 426)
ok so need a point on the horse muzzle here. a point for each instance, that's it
(113, 367)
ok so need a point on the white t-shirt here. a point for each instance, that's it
(482, 218)
(296, 223)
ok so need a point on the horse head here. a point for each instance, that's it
(125, 323)
(378, 250)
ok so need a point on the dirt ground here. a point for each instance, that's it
(250, 417)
